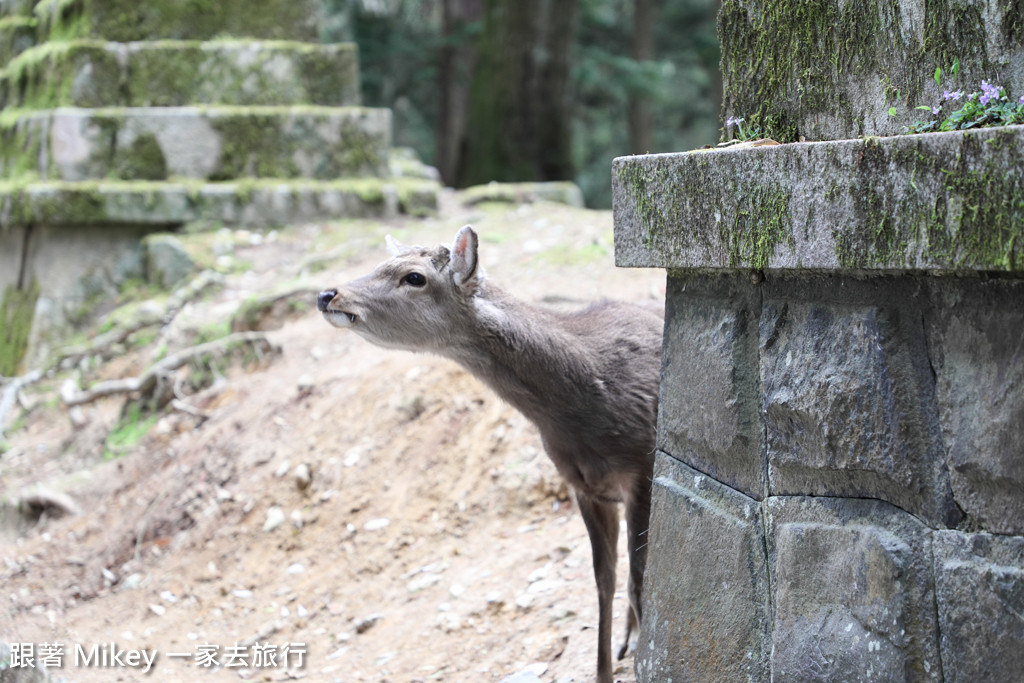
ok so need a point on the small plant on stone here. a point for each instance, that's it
(743, 134)
(990, 106)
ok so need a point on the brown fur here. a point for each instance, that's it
(587, 379)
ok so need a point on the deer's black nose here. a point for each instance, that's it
(325, 298)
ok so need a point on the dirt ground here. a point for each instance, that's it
(379, 513)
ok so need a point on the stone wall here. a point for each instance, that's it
(839, 486)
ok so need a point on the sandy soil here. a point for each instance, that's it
(432, 539)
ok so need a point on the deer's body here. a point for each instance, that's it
(588, 380)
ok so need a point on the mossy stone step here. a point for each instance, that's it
(127, 20)
(252, 203)
(937, 202)
(167, 73)
(207, 143)
(17, 34)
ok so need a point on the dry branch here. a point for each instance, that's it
(147, 381)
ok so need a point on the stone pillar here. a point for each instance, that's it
(839, 491)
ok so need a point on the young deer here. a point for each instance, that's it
(587, 379)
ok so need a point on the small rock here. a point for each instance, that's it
(242, 593)
(168, 596)
(131, 581)
(275, 518)
(158, 610)
(366, 623)
(296, 568)
(282, 469)
(303, 476)
(297, 519)
(377, 524)
(457, 590)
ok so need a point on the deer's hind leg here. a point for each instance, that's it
(638, 513)
(602, 521)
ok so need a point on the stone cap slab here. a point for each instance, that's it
(938, 201)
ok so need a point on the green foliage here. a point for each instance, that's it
(130, 430)
(989, 107)
(17, 308)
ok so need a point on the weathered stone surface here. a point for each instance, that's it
(170, 73)
(563, 192)
(710, 402)
(979, 586)
(253, 203)
(17, 34)
(705, 601)
(213, 143)
(126, 20)
(853, 598)
(941, 201)
(831, 69)
(974, 338)
(849, 407)
(166, 260)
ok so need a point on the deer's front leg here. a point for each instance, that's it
(602, 521)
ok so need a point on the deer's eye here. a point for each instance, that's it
(415, 279)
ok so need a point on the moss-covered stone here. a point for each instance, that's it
(249, 202)
(829, 69)
(17, 309)
(17, 34)
(165, 73)
(944, 201)
(128, 20)
(83, 73)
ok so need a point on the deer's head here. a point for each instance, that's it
(417, 300)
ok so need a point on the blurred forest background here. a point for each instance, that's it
(517, 90)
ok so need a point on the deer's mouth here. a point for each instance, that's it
(340, 318)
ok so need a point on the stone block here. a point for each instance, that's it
(974, 340)
(128, 20)
(170, 73)
(710, 401)
(940, 202)
(86, 73)
(166, 260)
(832, 69)
(852, 592)
(849, 405)
(211, 143)
(705, 600)
(17, 34)
(979, 589)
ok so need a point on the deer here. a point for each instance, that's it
(588, 380)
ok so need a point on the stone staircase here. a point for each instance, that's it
(121, 118)
(256, 130)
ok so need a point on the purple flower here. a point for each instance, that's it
(1022, 100)
(733, 121)
(936, 110)
(989, 92)
(954, 95)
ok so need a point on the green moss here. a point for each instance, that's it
(130, 430)
(786, 63)
(966, 209)
(17, 309)
(143, 160)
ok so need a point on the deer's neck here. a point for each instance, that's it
(525, 354)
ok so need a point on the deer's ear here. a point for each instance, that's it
(395, 248)
(465, 269)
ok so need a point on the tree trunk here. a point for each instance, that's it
(456, 58)
(517, 123)
(641, 118)
(554, 138)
